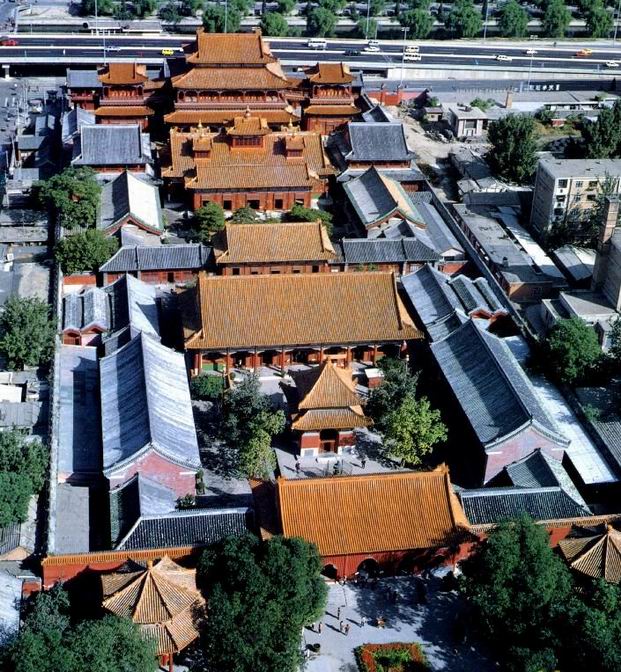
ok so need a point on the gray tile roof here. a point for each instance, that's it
(129, 196)
(370, 197)
(72, 533)
(382, 141)
(145, 404)
(377, 114)
(112, 145)
(436, 297)
(398, 174)
(79, 443)
(197, 527)
(493, 505)
(539, 470)
(140, 496)
(443, 239)
(74, 120)
(606, 420)
(86, 310)
(381, 250)
(83, 79)
(165, 257)
(491, 387)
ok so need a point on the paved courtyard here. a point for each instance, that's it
(394, 599)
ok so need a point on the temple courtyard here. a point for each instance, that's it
(398, 602)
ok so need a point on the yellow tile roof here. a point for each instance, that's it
(330, 418)
(597, 556)
(123, 73)
(330, 73)
(230, 48)
(366, 514)
(124, 111)
(248, 125)
(226, 117)
(298, 310)
(160, 598)
(269, 77)
(261, 243)
(331, 110)
(325, 386)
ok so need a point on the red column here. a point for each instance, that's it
(374, 356)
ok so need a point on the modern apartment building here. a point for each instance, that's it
(566, 186)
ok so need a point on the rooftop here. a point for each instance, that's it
(111, 145)
(260, 243)
(491, 387)
(221, 49)
(129, 196)
(488, 506)
(366, 514)
(587, 168)
(374, 312)
(329, 73)
(131, 258)
(123, 73)
(145, 405)
(378, 141)
(83, 79)
(595, 553)
(381, 251)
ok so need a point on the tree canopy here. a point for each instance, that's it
(599, 20)
(517, 588)
(556, 19)
(208, 219)
(244, 215)
(286, 6)
(274, 24)
(84, 251)
(418, 21)
(72, 195)
(464, 19)
(260, 596)
(397, 384)
(48, 642)
(321, 22)
(572, 350)
(602, 138)
(513, 20)
(27, 331)
(248, 424)
(216, 19)
(514, 147)
(207, 387)
(299, 213)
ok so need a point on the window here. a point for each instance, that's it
(275, 271)
(315, 269)
(562, 184)
(579, 183)
(235, 271)
(227, 205)
(593, 184)
(296, 269)
(171, 277)
(278, 203)
(255, 204)
(561, 199)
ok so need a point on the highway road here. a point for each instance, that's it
(445, 55)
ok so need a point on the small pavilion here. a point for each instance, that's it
(595, 553)
(162, 598)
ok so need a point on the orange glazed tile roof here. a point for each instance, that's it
(124, 111)
(260, 243)
(330, 418)
(160, 599)
(248, 125)
(598, 556)
(303, 309)
(230, 49)
(330, 73)
(325, 386)
(367, 514)
(123, 73)
(265, 167)
(267, 77)
(331, 110)
(226, 117)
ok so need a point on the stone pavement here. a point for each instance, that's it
(431, 625)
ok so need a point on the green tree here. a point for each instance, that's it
(207, 387)
(464, 20)
(599, 20)
(27, 331)
(247, 426)
(24, 455)
(513, 20)
(209, 219)
(418, 21)
(286, 6)
(615, 341)
(321, 22)
(556, 19)
(397, 384)
(72, 195)
(15, 494)
(84, 251)
(602, 139)
(261, 595)
(366, 29)
(482, 104)
(334, 6)
(274, 24)
(215, 17)
(299, 213)
(244, 215)
(170, 13)
(377, 7)
(413, 429)
(104, 7)
(514, 147)
(48, 642)
(518, 588)
(572, 350)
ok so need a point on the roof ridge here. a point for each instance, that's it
(438, 472)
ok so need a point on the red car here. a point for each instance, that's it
(8, 42)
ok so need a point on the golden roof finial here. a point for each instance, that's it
(247, 112)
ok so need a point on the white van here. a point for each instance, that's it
(411, 56)
(316, 43)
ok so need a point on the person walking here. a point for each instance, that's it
(319, 627)
(363, 621)
(346, 629)
(363, 462)
(341, 624)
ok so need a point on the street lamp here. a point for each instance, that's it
(530, 70)
(366, 32)
(485, 20)
(405, 36)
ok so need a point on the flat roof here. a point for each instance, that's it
(587, 168)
